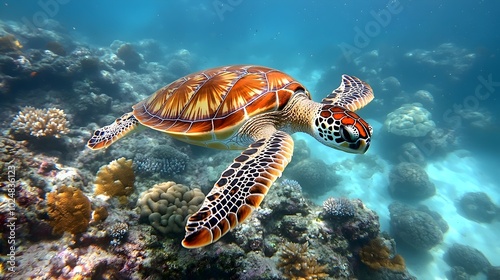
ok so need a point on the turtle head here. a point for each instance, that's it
(341, 129)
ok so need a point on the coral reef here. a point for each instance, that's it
(477, 206)
(297, 263)
(377, 255)
(41, 122)
(445, 55)
(409, 152)
(163, 160)
(115, 179)
(493, 273)
(410, 120)
(314, 175)
(416, 228)
(471, 259)
(338, 208)
(285, 198)
(130, 56)
(69, 210)
(410, 181)
(167, 206)
(424, 97)
(118, 232)
(9, 43)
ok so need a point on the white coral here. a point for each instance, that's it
(411, 120)
(41, 122)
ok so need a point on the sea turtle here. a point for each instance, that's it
(247, 107)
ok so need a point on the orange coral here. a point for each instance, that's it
(377, 255)
(297, 264)
(100, 214)
(115, 179)
(69, 210)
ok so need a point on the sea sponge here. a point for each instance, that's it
(167, 206)
(297, 263)
(41, 122)
(69, 210)
(377, 255)
(115, 179)
(411, 120)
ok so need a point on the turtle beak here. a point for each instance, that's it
(359, 147)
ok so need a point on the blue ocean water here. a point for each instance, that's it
(450, 49)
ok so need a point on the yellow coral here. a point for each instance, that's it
(41, 122)
(115, 179)
(297, 264)
(377, 255)
(69, 210)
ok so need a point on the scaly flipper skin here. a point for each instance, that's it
(105, 136)
(352, 94)
(239, 190)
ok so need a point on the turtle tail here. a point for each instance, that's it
(107, 135)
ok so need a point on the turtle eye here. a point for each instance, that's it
(349, 133)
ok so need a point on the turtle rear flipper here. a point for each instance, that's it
(107, 135)
(240, 189)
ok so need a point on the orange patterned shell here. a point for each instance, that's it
(215, 101)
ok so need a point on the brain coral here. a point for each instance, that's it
(41, 122)
(410, 181)
(115, 179)
(69, 210)
(167, 206)
(415, 228)
(411, 120)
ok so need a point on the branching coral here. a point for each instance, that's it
(41, 122)
(377, 255)
(115, 179)
(338, 208)
(297, 264)
(167, 206)
(69, 210)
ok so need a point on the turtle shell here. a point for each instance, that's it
(211, 105)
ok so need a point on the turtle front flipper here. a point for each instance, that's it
(239, 190)
(107, 135)
(352, 94)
